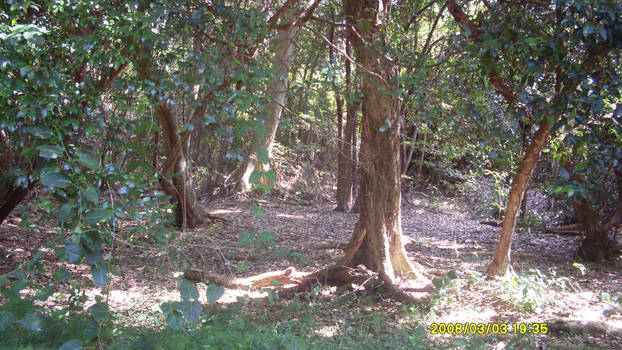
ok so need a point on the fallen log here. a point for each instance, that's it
(568, 230)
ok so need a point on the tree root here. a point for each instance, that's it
(361, 279)
(285, 277)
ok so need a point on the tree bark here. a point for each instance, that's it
(277, 90)
(175, 176)
(377, 238)
(11, 197)
(344, 168)
(501, 259)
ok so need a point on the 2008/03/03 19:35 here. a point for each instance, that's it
(472, 328)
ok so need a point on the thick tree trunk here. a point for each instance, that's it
(277, 90)
(501, 260)
(377, 238)
(175, 175)
(11, 197)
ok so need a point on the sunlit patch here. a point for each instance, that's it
(226, 211)
(290, 216)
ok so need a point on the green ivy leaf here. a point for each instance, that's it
(214, 292)
(188, 290)
(175, 320)
(191, 310)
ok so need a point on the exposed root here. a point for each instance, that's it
(283, 278)
(361, 279)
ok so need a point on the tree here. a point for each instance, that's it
(554, 59)
(377, 238)
(258, 156)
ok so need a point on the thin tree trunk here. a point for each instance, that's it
(406, 151)
(277, 90)
(501, 259)
(377, 238)
(344, 178)
(175, 176)
(422, 156)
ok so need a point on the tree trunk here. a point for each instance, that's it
(501, 260)
(377, 238)
(175, 175)
(344, 176)
(11, 197)
(277, 90)
(406, 151)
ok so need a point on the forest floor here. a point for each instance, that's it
(580, 303)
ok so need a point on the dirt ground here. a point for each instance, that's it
(551, 286)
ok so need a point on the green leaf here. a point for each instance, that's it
(55, 180)
(191, 310)
(532, 41)
(214, 292)
(6, 319)
(588, 29)
(63, 212)
(255, 176)
(50, 151)
(246, 238)
(100, 312)
(61, 275)
(91, 194)
(188, 290)
(564, 173)
(74, 252)
(602, 31)
(72, 345)
(262, 154)
(175, 320)
(96, 216)
(91, 331)
(100, 274)
(257, 210)
(44, 293)
(31, 322)
(88, 161)
(241, 129)
(42, 133)
(271, 176)
(166, 308)
(452, 274)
